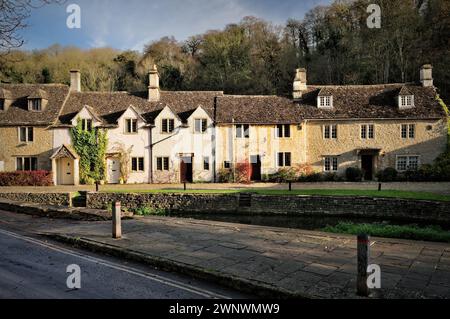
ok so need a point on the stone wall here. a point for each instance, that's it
(56, 199)
(390, 208)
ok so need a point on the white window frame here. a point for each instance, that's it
(163, 167)
(333, 131)
(406, 101)
(138, 169)
(409, 130)
(407, 162)
(31, 105)
(169, 120)
(203, 125)
(242, 130)
(367, 131)
(283, 131)
(27, 134)
(84, 125)
(325, 102)
(284, 156)
(332, 162)
(22, 159)
(135, 126)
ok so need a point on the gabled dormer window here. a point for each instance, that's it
(167, 125)
(86, 125)
(325, 102)
(405, 101)
(131, 126)
(35, 105)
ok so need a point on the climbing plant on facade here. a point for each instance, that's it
(91, 147)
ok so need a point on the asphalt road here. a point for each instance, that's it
(33, 268)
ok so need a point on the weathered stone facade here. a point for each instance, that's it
(429, 142)
(391, 208)
(11, 147)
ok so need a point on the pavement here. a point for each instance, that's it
(432, 187)
(266, 261)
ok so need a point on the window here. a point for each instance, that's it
(283, 130)
(131, 126)
(201, 125)
(35, 105)
(162, 163)
(331, 164)
(325, 101)
(26, 134)
(330, 131)
(206, 163)
(86, 125)
(408, 130)
(137, 164)
(168, 125)
(26, 164)
(2, 104)
(406, 101)
(367, 131)
(405, 163)
(227, 164)
(284, 159)
(243, 131)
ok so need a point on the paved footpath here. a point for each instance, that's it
(305, 263)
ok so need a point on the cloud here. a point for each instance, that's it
(133, 23)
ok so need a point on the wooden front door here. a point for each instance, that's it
(255, 161)
(367, 167)
(186, 174)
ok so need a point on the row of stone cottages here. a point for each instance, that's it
(190, 136)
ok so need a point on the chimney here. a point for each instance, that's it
(75, 81)
(426, 75)
(153, 88)
(299, 83)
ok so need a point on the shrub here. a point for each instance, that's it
(332, 177)
(26, 178)
(311, 178)
(225, 175)
(353, 174)
(283, 175)
(387, 175)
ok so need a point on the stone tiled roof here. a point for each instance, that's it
(371, 101)
(257, 109)
(5, 94)
(349, 102)
(110, 106)
(18, 114)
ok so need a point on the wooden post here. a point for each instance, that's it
(96, 186)
(116, 221)
(290, 186)
(184, 185)
(363, 262)
(379, 187)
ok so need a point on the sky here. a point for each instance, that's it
(130, 24)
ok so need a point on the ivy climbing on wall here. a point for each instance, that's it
(91, 147)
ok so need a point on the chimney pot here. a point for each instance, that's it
(75, 81)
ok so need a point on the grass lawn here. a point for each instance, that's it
(323, 192)
(428, 233)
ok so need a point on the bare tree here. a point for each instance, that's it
(13, 15)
